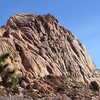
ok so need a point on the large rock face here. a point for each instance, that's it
(41, 47)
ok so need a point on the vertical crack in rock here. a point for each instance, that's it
(25, 62)
(81, 71)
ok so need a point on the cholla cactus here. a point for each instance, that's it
(15, 78)
(3, 65)
(9, 74)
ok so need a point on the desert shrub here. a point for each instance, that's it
(9, 74)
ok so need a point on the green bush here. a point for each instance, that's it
(9, 74)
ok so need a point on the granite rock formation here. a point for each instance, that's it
(41, 47)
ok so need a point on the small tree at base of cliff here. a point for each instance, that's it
(10, 76)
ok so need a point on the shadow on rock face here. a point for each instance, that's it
(94, 86)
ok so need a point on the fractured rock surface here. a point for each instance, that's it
(41, 47)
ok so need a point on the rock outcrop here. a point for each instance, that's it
(41, 47)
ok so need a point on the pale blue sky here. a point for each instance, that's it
(82, 17)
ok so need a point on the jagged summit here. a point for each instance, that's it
(31, 18)
(41, 47)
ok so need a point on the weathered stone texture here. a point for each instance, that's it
(40, 46)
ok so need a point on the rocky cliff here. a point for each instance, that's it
(40, 47)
